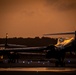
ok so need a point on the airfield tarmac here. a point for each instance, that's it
(69, 62)
(38, 71)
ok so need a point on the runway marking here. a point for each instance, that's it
(40, 69)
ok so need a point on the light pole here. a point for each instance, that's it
(6, 40)
(75, 35)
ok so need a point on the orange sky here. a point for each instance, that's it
(31, 18)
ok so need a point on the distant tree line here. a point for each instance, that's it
(43, 41)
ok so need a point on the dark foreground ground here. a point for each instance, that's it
(38, 67)
(31, 67)
(36, 73)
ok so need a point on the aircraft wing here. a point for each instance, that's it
(13, 46)
(27, 49)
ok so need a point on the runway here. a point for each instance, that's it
(38, 71)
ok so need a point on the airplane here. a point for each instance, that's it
(57, 51)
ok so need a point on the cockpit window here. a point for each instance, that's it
(61, 39)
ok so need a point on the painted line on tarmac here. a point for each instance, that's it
(40, 69)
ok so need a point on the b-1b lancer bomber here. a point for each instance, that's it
(57, 51)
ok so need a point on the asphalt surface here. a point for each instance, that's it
(38, 71)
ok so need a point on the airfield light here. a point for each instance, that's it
(6, 61)
(23, 61)
(31, 61)
(48, 61)
(43, 63)
(2, 57)
(38, 61)
(28, 62)
(68, 61)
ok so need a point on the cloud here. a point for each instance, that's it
(62, 4)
